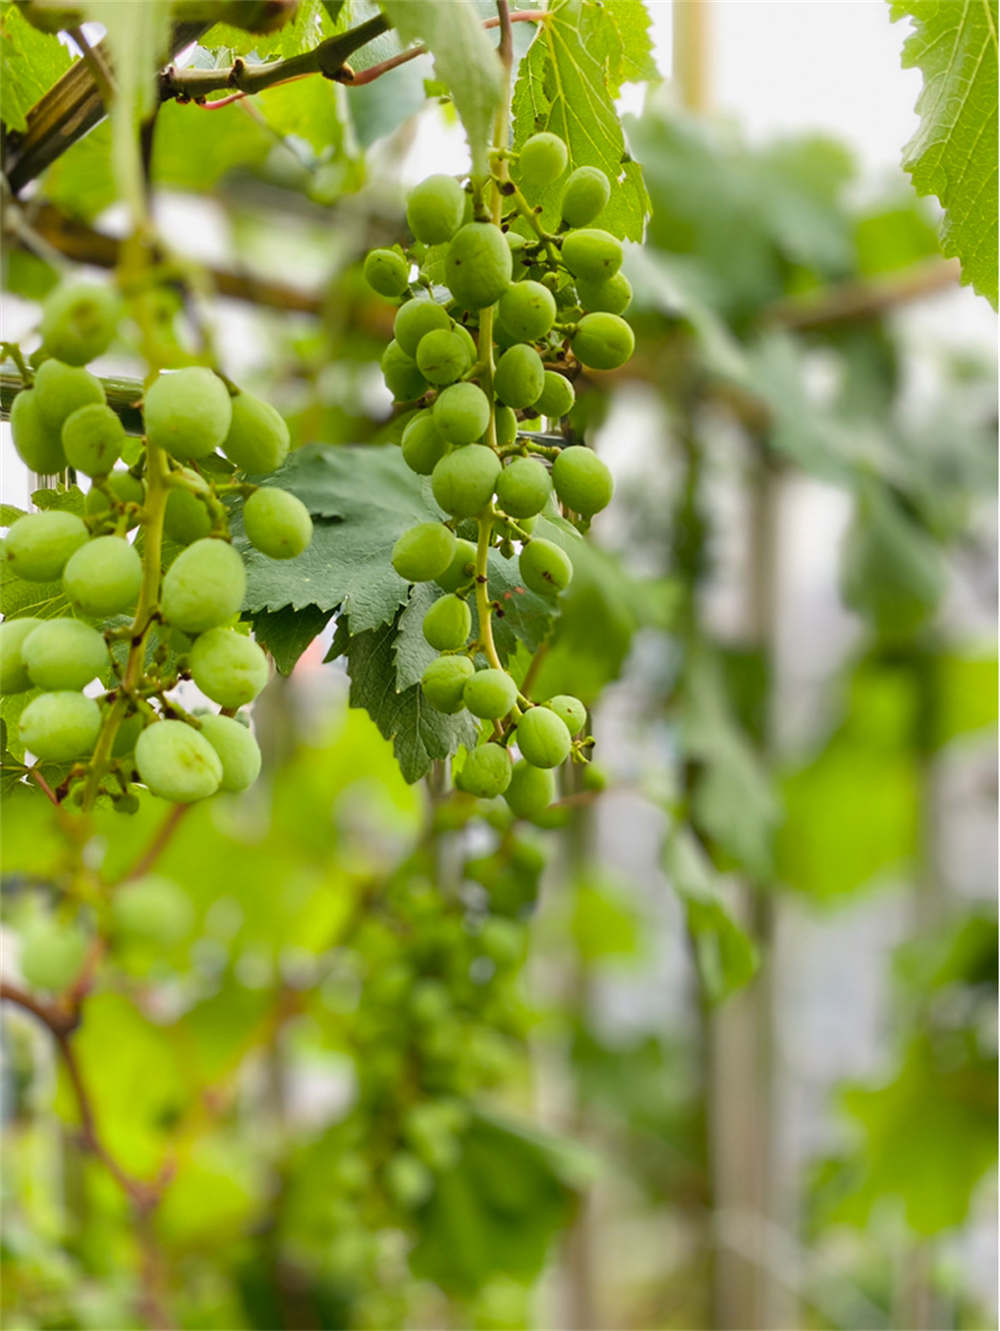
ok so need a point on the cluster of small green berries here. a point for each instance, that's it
(483, 362)
(117, 589)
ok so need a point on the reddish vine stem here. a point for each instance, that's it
(159, 843)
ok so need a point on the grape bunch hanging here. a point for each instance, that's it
(141, 614)
(486, 356)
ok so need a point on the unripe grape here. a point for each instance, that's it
(93, 438)
(490, 694)
(14, 676)
(424, 552)
(523, 488)
(443, 682)
(177, 762)
(204, 587)
(228, 667)
(611, 296)
(38, 545)
(591, 254)
(542, 161)
(126, 735)
(527, 310)
(401, 374)
(463, 481)
(478, 265)
(59, 727)
(595, 778)
(64, 654)
(520, 376)
(387, 272)
(448, 623)
(570, 711)
(531, 790)
(51, 954)
(277, 523)
(603, 341)
(506, 421)
(257, 440)
(545, 568)
(79, 321)
(461, 569)
(471, 347)
(237, 750)
(152, 909)
(582, 481)
(422, 443)
(408, 1180)
(435, 209)
(187, 412)
(186, 518)
(462, 413)
(586, 194)
(38, 446)
(557, 396)
(126, 489)
(543, 738)
(415, 320)
(62, 389)
(442, 357)
(486, 771)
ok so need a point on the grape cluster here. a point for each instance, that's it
(496, 317)
(142, 615)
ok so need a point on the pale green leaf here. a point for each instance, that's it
(31, 62)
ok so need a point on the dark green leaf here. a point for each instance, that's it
(287, 633)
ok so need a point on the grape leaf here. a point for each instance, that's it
(313, 22)
(953, 154)
(287, 633)
(32, 61)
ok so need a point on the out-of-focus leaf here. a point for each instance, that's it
(603, 923)
(964, 954)
(216, 1192)
(893, 237)
(32, 61)
(966, 696)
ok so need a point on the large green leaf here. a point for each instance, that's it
(31, 61)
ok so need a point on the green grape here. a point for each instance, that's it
(490, 694)
(613, 295)
(570, 711)
(461, 569)
(463, 481)
(14, 676)
(228, 667)
(237, 750)
(545, 568)
(38, 446)
(586, 193)
(461, 331)
(443, 682)
(152, 909)
(435, 209)
(603, 341)
(478, 265)
(60, 727)
(557, 396)
(186, 518)
(177, 762)
(408, 1180)
(387, 273)
(424, 552)
(502, 940)
(93, 438)
(442, 357)
(520, 376)
(448, 623)
(401, 374)
(64, 654)
(531, 790)
(429, 1003)
(204, 587)
(125, 488)
(543, 738)
(51, 954)
(126, 735)
(415, 320)
(506, 422)
(62, 389)
(187, 412)
(542, 161)
(595, 778)
(277, 523)
(79, 321)
(582, 481)
(422, 444)
(591, 254)
(257, 440)
(39, 544)
(527, 310)
(462, 413)
(486, 771)
(523, 488)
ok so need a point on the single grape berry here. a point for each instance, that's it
(187, 412)
(448, 623)
(60, 727)
(62, 389)
(582, 481)
(126, 735)
(527, 310)
(595, 778)
(586, 193)
(79, 321)
(186, 518)
(387, 273)
(523, 488)
(461, 569)
(228, 667)
(38, 545)
(408, 1180)
(490, 694)
(613, 295)
(237, 750)
(38, 446)
(435, 209)
(506, 422)
(520, 376)
(463, 481)
(424, 552)
(443, 682)
(478, 265)
(14, 676)
(442, 357)
(591, 254)
(64, 654)
(570, 711)
(603, 341)
(51, 953)
(401, 374)
(277, 523)
(557, 396)
(531, 790)
(422, 443)
(543, 738)
(151, 909)
(462, 413)
(257, 440)
(486, 771)
(545, 568)
(124, 489)
(542, 161)
(204, 587)
(177, 762)
(93, 438)
(415, 320)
